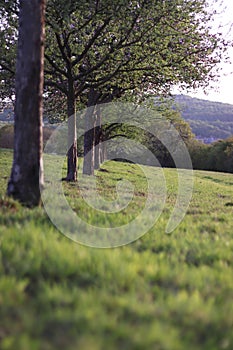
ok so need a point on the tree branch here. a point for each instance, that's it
(55, 66)
(61, 48)
(8, 69)
(91, 42)
(52, 83)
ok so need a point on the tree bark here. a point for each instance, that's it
(97, 136)
(89, 143)
(89, 135)
(103, 150)
(72, 156)
(27, 169)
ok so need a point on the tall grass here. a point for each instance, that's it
(168, 292)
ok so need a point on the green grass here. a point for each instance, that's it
(167, 292)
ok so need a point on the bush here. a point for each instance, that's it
(199, 153)
(7, 135)
(217, 156)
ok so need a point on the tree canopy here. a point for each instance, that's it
(116, 47)
(131, 45)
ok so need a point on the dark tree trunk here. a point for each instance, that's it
(72, 157)
(89, 142)
(27, 169)
(89, 135)
(103, 149)
(97, 138)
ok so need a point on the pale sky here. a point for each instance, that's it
(222, 91)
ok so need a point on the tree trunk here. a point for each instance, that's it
(72, 157)
(97, 138)
(27, 169)
(89, 135)
(103, 149)
(89, 142)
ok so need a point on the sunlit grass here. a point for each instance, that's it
(160, 292)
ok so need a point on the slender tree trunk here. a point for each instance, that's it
(103, 149)
(89, 143)
(104, 154)
(72, 157)
(27, 169)
(98, 138)
(89, 135)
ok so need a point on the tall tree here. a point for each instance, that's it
(27, 169)
(132, 45)
(140, 46)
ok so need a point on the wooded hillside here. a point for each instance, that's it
(209, 120)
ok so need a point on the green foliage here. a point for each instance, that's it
(7, 135)
(162, 111)
(8, 40)
(130, 45)
(217, 157)
(160, 292)
(221, 155)
(199, 153)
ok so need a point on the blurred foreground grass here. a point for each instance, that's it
(167, 292)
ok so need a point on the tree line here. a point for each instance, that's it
(217, 156)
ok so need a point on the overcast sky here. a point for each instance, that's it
(223, 90)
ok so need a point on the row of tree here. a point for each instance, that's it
(95, 51)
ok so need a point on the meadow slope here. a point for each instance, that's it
(161, 292)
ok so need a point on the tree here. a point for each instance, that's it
(27, 169)
(134, 46)
(129, 45)
(161, 111)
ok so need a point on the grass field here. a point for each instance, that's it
(162, 292)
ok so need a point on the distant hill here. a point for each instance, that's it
(209, 120)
